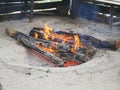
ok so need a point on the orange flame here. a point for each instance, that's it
(48, 34)
(35, 35)
(47, 31)
(76, 44)
(65, 39)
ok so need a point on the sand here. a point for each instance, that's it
(21, 70)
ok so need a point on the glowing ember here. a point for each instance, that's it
(70, 63)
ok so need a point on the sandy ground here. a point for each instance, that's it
(21, 70)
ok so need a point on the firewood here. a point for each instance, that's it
(29, 42)
(82, 54)
(62, 53)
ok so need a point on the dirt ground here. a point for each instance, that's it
(21, 70)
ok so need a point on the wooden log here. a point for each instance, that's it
(82, 54)
(29, 42)
(63, 50)
(59, 58)
(59, 47)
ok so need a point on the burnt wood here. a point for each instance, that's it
(30, 42)
(63, 53)
(82, 54)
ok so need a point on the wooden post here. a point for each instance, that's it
(25, 6)
(31, 11)
(111, 16)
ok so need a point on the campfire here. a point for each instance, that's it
(68, 40)
(63, 49)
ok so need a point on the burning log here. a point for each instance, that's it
(30, 42)
(57, 45)
(63, 38)
(67, 50)
(68, 44)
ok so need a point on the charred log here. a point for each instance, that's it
(37, 29)
(46, 43)
(29, 42)
(62, 55)
(82, 54)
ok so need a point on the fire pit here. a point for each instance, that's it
(62, 49)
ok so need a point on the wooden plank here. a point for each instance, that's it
(41, 6)
(7, 8)
(47, 5)
(11, 8)
(112, 9)
(3, 1)
(115, 2)
(5, 5)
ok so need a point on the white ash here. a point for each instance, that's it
(20, 70)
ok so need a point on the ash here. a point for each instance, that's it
(100, 73)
